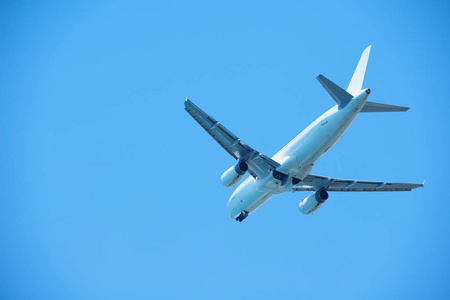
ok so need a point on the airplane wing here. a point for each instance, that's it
(314, 182)
(259, 165)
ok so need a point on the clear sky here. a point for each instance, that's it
(110, 190)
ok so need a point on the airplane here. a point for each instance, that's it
(289, 169)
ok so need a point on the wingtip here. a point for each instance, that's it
(423, 183)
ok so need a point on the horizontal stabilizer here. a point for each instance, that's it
(379, 107)
(338, 94)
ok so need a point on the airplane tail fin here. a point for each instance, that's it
(354, 88)
(355, 85)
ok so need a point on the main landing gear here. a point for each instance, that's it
(242, 216)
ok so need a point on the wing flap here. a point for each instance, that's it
(259, 164)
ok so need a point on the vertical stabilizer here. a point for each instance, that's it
(355, 85)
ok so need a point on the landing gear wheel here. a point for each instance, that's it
(242, 216)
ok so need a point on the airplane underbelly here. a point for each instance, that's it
(322, 139)
(313, 147)
(248, 198)
(258, 202)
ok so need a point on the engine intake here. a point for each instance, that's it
(232, 176)
(312, 203)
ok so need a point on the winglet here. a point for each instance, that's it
(187, 103)
(355, 85)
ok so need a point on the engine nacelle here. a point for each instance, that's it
(312, 203)
(234, 174)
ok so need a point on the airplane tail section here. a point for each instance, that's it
(341, 96)
(355, 85)
(354, 88)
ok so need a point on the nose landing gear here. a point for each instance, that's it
(242, 216)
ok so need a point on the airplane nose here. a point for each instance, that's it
(230, 212)
(368, 91)
(231, 208)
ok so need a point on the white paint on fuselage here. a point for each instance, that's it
(298, 157)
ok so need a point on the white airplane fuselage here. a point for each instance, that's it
(297, 158)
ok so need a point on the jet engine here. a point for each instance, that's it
(234, 174)
(312, 203)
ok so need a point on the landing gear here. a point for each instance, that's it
(242, 216)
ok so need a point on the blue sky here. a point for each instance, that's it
(110, 190)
